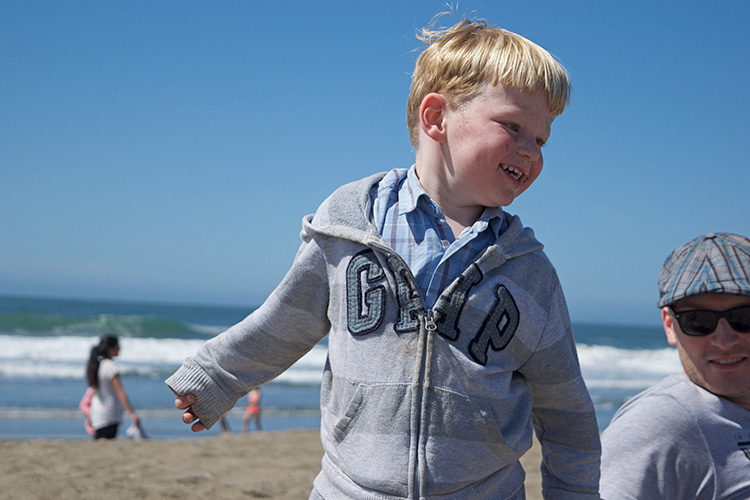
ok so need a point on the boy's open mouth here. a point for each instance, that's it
(513, 172)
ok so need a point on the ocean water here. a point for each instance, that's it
(44, 346)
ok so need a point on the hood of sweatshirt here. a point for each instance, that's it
(347, 214)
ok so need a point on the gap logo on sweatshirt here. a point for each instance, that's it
(367, 297)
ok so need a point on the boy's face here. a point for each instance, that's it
(720, 361)
(494, 145)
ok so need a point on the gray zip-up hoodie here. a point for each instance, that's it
(416, 403)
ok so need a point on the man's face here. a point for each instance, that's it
(720, 361)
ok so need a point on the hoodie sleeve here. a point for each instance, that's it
(563, 413)
(262, 346)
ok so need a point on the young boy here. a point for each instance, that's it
(449, 336)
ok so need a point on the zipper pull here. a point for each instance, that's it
(429, 321)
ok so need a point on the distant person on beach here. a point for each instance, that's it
(689, 435)
(109, 398)
(224, 424)
(252, 411)
(449, 340)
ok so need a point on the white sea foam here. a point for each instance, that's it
(66, 357)
(603, 367)
(611, 367)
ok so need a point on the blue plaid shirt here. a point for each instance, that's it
(415, 227)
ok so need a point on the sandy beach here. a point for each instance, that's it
(273, 465)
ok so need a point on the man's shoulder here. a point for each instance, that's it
(665, 407)
(650, 430)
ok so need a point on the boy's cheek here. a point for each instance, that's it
(536, 170)
(534, 173)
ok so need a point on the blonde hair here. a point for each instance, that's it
(460, 59)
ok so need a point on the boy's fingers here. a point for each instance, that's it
(189, 417)
(183, 401)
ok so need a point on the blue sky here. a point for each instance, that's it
(166, 151)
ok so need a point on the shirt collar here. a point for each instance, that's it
(495, 217)
(411, 194)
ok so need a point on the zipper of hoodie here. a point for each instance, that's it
(429, 325)
(429, 321)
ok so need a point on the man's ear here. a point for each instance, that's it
(432, 116)
(668, 321)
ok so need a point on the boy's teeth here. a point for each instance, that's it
(512, 171)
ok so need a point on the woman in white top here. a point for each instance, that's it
(109, 397)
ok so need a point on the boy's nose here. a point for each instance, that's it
(528, 147)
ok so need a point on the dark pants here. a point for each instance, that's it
(109, 432)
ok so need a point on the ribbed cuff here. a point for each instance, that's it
(210, 401)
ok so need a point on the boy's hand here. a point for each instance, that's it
(183, 402)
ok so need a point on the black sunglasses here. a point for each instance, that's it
(697, 323)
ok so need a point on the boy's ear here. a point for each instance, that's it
(432, 116)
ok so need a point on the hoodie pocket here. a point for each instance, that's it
(470, 439)
(351, 415)
(368, 434)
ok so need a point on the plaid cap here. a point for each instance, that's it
(713, 263)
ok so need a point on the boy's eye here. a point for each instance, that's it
(511, 126)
